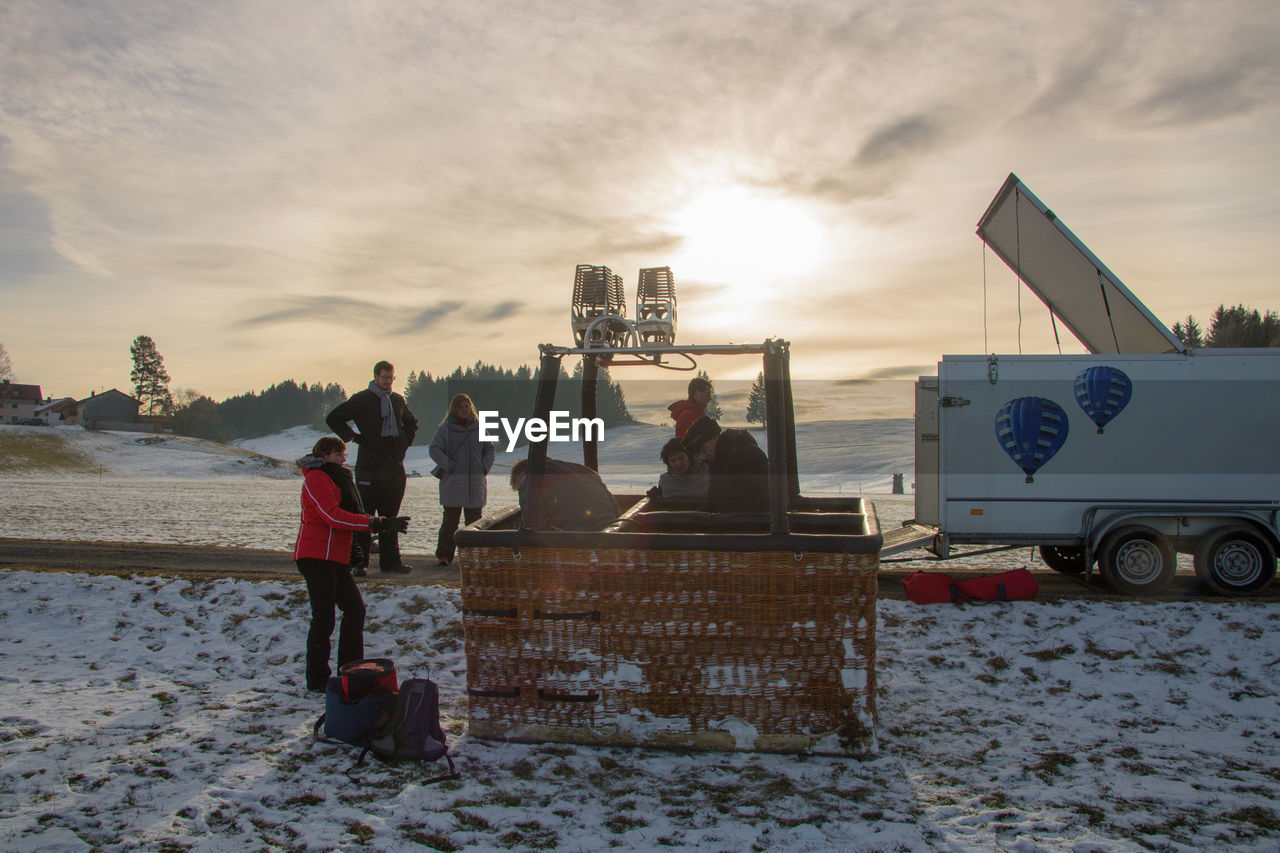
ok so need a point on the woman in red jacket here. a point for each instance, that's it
(323, 552)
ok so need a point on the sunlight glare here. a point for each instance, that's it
(747, 239)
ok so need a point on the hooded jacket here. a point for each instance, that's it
(326, 528)
(464, 461)
(685, 413)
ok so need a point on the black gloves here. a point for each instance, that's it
(380, 524)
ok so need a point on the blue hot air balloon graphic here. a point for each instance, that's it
(1031, 430)
(1103, 392)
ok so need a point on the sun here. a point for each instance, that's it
(747, 239)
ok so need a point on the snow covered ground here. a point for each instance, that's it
(130, 487)
(168, 714)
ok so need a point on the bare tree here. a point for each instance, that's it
(6, 366)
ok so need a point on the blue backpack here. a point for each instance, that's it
(395, 727)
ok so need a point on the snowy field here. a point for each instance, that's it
(168, 714)
(165, 714)
(135, 488)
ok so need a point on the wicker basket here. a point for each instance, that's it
(752, 650)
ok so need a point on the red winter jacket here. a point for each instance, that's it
(685, 412)
(326, 528)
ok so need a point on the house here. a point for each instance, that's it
(110, 410)
(18, 402)
(63, 411)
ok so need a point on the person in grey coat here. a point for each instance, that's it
(462, 463)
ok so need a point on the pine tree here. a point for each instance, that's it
(1242, 327)
(713, 405)
(149, 378)
(755, 401)
(1189, 333)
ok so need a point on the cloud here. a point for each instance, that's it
(503, 310)
(1238, 87)
(345, 311)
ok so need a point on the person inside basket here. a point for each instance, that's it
(685, 412)
(686, 478)
(322, 553)
(739, 468)
(570, 497)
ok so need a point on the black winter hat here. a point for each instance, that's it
(703, 430)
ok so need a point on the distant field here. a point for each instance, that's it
(33, 452)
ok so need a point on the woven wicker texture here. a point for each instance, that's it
(707, 649)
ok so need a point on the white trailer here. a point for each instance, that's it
(1125, 456)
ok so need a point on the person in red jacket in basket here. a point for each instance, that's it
(323, 551)
(685, 412)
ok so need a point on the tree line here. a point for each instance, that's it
(290, 403)
(1231, 327)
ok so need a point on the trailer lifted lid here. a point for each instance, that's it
(1076, 286)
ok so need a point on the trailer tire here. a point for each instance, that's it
(1235, 560)
(1136, 561)
(1063, 558)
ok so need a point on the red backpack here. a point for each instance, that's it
(937, 588)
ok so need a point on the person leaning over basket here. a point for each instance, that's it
(570, 497)
(387, 428)
(322, 553)
(739, 468)
(462, 463)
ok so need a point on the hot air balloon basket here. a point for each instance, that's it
(766, 651)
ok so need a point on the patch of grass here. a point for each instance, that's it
(1256, 815)
(33, 452)
(1050, 765)
(1105, 654)
(994, 800)
(1059, 688)
(531, 834)
(508, 799)
(361, 831)
(305, 800)
(1168, 667)
(430, 840)
(1093, 814)
(523, 769)
(997, 663)
(618, 824)
(467, 820)
(1046, 655)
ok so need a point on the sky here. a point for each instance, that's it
(294, 190)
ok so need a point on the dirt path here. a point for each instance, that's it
(208, 561)
(192, 560)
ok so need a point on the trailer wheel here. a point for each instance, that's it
(1235, 560)
(1063, 558)
(1136, 561)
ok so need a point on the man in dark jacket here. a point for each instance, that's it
(739, 468)
(570, 497)
(386, 429)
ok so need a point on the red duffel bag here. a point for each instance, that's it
(1015, 585)
(932, 588)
